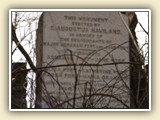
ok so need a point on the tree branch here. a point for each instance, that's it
(143, 28)
(15, 39)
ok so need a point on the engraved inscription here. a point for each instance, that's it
(86, 51)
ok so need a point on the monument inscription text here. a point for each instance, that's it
(82, 48)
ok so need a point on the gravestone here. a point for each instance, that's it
(85, 60)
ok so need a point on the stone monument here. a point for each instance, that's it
(84, 58)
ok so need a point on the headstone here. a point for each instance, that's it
(85, 55)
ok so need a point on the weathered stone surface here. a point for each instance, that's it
(88, 52)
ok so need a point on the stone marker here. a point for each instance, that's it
(86, 55)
